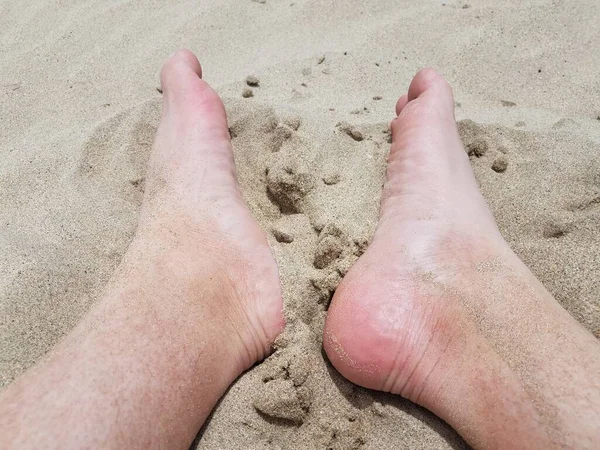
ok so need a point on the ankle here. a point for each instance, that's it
(487, 403)
(170, 286)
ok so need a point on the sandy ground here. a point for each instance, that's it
(79, 108)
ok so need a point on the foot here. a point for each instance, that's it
(195, 301)
(195, 219)
(439, 309)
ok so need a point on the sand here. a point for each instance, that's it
(310, 88)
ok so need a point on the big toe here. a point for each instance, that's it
(188, 98)
(433, 89)
(179, 65)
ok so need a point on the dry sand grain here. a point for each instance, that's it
(79, 110)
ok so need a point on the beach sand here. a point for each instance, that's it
(79, 106)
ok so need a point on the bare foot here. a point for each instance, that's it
(194, 216)
(195, 301)
(441, 311)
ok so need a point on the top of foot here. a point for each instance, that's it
(194, 213)
(406, 318)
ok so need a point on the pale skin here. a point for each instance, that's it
(438, 310)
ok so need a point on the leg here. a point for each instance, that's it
(442, 312)
(195, 302)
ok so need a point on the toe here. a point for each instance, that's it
(402, 101)
(428, 80)
(185, 92)
(430, 88)
(428, 83)
(182, 65)
(429, 102)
